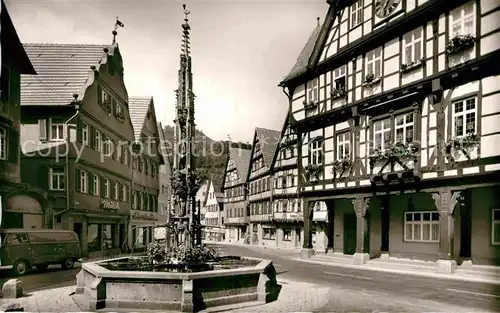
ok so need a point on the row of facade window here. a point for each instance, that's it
(110, 104)
(386, 133)
(270, 234)
(90, 183)
(236, 212)
(260, 185)
(462, 22)
(234, 192)
(212, 208)
(263, 207)
(283, 180)
(143, 201)
(257, 164)
(213, 221)
(287, 205)
(232, 174)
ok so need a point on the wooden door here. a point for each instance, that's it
(349, 234)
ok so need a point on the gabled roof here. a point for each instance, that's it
(138, 110)
(268, 140)
(12, 45)
(63, 70)
(300, 66)
(283, 130)
(241, 158)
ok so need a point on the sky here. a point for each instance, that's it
(240, 51)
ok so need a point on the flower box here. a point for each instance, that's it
(399, 150)
(310, 105)
(313, 171)
(370, 80)
(341, 166)
(460, 43)
(408, 67)
(338, 93)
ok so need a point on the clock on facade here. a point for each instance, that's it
(385, 7)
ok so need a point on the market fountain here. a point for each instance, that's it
(186, 276)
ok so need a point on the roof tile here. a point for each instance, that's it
(138, 109)
(63, 70)
(241, 158)
(269, 140)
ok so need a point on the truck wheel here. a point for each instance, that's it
(20, 267)
(67, 264)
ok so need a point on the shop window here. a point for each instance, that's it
(287, 235)
(107, 236)
(495, 227)
(94, 239)
(268, 234)
(421, 227)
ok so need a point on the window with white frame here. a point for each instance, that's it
(116, 191)
(56, 178)
(316, 153)
(312, 90)
(339, 79)
(357, 13)
(96, 184)
(56, 131)
(382, 134)
(98, 140)
(125, 155)
(421, 226)
(124, 192)
(85, 133)
(464, 117)
(404, 128)
(106, 145)
(462, 20)
(495, 227)
(83, 181)
(343, 145)
(3, 143)
(374, 62)
(413, 47)
(105, 98)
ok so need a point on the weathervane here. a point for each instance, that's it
(117, 23)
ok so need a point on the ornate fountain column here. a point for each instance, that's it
(185, 179)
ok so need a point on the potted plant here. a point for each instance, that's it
(460, 43)
(338, 92)
(341, 166)
(370, 80)
(313, 170)
(412, 65)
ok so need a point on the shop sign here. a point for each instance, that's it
(110, 205)
(147, 217)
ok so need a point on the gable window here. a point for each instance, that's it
(404, 128)
(98, 140)
(85, 134)
(83, 181)
(343, 145)
(104, 96)
(421, 226)
(56, 178)
(106, 145)
(495, 227)
(56, 131)
(3, 143)
(95, 184)
(312, 91)
(413, 47)
(464, 117)
(382, 134)
(316, 152)
(374, 62)
(462, 20)
(357, 13)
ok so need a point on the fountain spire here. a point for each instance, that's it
(187, 181)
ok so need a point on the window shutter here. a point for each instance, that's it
(13, 146)
(79, 130)
(92, 136)
(42, 126)
(78, 185)
(43, 176)
(99, 94)
(102, 187)
(90, 182)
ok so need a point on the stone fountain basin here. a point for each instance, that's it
(99, 288)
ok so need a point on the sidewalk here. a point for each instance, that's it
(464, 272)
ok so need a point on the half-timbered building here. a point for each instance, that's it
(262, 228)
(286, 203)
(235, 193)
(396, 106)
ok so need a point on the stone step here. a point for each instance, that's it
(402, 261)
(402, 265)
(333, 258)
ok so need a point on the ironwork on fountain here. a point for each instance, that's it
(184, 222)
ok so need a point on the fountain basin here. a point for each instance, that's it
(100, 288)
